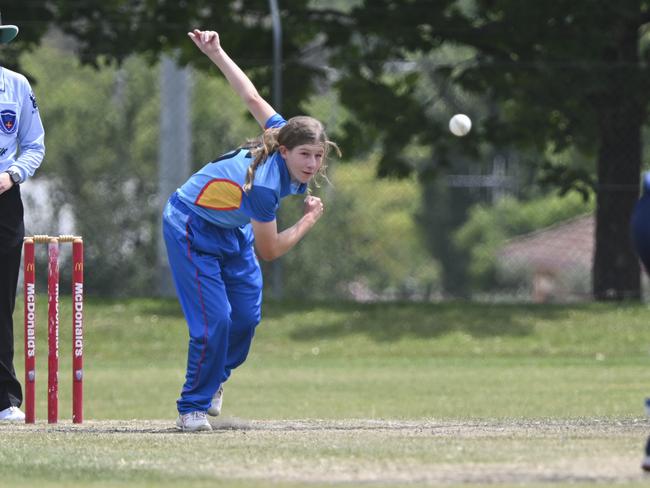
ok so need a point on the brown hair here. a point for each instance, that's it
(297, 131)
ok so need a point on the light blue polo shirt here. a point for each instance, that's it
(216, 193)
(20, 126)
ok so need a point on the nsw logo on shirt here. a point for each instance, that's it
(8, 121)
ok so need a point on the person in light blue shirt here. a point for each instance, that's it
(21, 152)
(218, 222)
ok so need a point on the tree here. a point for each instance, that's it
(106, 35)
(101, 158)
(100, 163)
(565, 75)
(113, 30)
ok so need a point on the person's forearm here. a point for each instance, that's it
(288, 238)
(29, 160)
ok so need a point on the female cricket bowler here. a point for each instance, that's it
(210, 224)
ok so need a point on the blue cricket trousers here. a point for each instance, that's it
(219, 285)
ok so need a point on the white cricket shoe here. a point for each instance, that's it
(217, 401)
(193, 422)
(12, 414)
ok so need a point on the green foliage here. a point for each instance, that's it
(102, 129)
(100, 162)
(551, 86)
(365, 245)
(101, 167)
(489, 226)
(550, 91)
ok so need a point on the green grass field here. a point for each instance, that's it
(387, 394)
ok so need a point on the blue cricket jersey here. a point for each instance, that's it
(22, 145)
(216, 193)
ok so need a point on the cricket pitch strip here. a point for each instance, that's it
(413, 452)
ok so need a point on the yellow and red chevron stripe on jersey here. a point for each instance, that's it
(220, 194)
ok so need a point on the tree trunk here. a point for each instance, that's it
(444, 209)
(621, 111)
(616, 272)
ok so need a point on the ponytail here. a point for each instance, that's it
(261, 151)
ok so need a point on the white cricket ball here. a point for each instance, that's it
(460, 125)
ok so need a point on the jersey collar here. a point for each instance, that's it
(288, 187)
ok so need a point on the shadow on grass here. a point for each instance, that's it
(384, 322)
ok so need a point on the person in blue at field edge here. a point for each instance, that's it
(640, 225)
(22, 149)
(210, 224)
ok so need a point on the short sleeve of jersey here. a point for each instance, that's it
(275, 121)
(260, 204)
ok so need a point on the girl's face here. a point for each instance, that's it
(304, 161)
